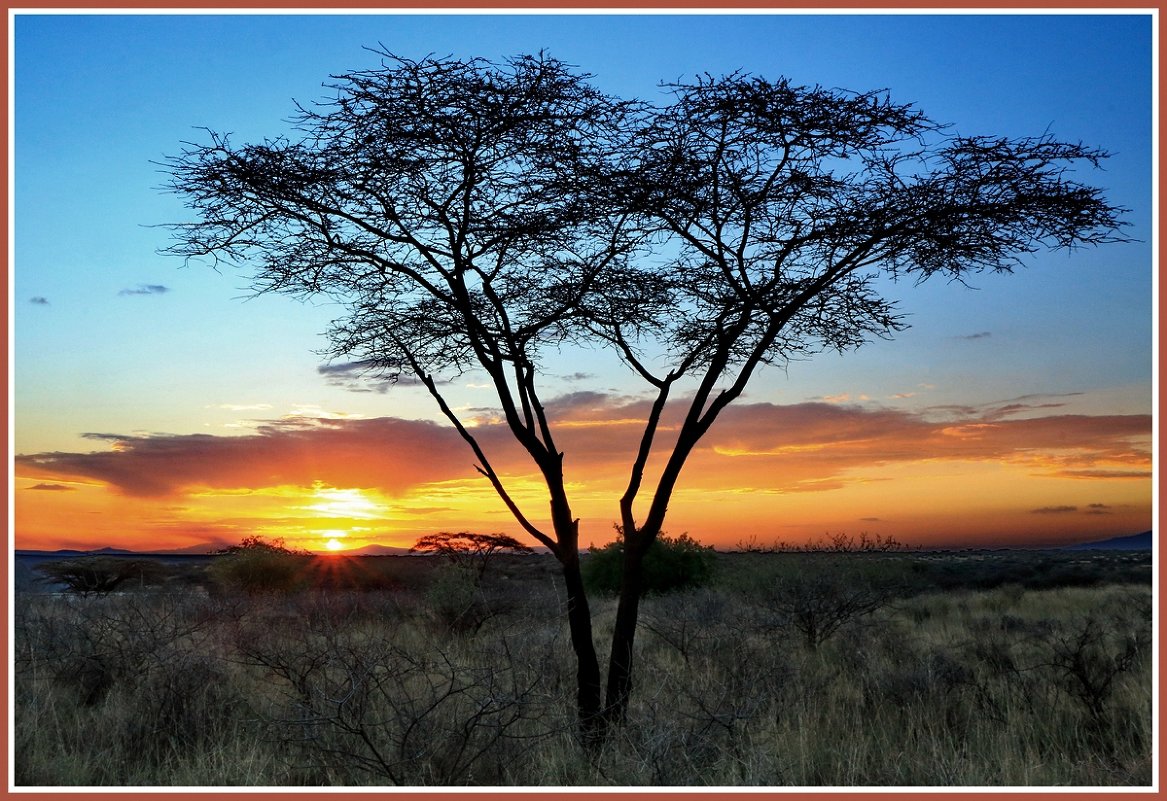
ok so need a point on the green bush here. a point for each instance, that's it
(671, 563)
(259, 566)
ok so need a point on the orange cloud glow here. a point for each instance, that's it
(766, 471)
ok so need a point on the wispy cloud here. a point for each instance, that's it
(363, 376)
(146, 289)
(1053, 510)
(1011, 407)
(39, 301)
(1105, 473)
(977, 335)
(52, 488)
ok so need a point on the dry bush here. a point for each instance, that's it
(818, 601)
(103, 574)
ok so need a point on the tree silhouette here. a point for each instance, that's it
(469, 548)
(473, 215)
(100, 575)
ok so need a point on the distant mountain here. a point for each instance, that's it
(374, 550)
(1134, 542)
(197, 550)
(75, 552)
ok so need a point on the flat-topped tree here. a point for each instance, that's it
(469, 548)
(469, 215)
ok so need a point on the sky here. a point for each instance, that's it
(157, 406)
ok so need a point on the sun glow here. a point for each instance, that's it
(334, 545)
(353, 504)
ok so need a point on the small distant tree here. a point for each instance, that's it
(102, 574)
(469, 549)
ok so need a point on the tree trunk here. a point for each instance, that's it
(579, 620)
(624, 633)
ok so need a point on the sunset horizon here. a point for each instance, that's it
(1040, 479)
(156, 410)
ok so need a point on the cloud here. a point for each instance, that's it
(39, 301)
(146, 289)
(977, 335)
(1098, 509)
(762, 447)
(1053, 510)
(1104, 474)
(347, 368)
(387, 453)
(364, 376)
(52, 487)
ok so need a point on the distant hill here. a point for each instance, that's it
(1134, 542)
(75, 552)
(376, 550)
(196, 550)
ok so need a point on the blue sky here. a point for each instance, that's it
(98, 98)
(111, 336)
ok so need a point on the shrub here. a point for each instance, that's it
(102, 574)
(1090, 656)
(671, 563)
(259, 566)
(820, 598)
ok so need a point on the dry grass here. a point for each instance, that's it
(988, 687)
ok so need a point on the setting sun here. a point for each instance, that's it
(334, 545)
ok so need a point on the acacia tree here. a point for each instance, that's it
(469, 548)
(469, 215)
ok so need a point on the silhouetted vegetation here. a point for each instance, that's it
(102, 574)
(162, 685)
(670, 564)
(469, 549)
(258, 565)
(839, 542)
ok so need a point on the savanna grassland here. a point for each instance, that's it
(792, 669)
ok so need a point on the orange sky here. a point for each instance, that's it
(1019, 473)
